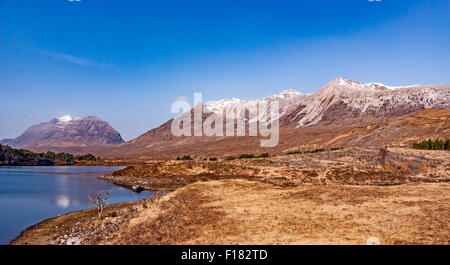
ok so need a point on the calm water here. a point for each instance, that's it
(29, 195)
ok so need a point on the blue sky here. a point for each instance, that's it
(127, 61)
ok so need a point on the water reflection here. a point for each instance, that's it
(63, 201)
(29, 195)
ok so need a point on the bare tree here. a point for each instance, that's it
(382, 154)
(97, 199)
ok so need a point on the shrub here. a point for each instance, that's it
(187, 157)
(213, 159)
(315, 151)
(264, 155)
(335, 148)
(433, 145)
(246, 156)
(87, 157)
(229, 158)
(65, 157)
(112, 214)
(294, 152)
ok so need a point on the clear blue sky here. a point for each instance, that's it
(127, 61)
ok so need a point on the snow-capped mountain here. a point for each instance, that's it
(340, 102)
(66, 119)
(65, 132)
(285, 99)
(343, 99)
(346, 99)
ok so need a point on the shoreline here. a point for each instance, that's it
(211, 213)
(33, 226)
(344, 190)
(55, 223)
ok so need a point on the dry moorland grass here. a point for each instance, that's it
(399, 195)
(247, 212)
(83, 224)
(349, 166)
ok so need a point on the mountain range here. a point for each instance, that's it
(343, 112)
(343, 99)
(311, 120)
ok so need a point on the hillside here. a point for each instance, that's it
(343, 112)
(398, 131)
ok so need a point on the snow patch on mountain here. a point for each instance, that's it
(64, 119)
(286, 99)
(338, 98)
(361, 97)
(391, 87)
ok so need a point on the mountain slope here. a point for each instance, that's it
(346, 101)
(305, 119)
(65, 132)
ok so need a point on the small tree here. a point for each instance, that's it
(447, 144)
(97, 199)
(246, 156)
(382, 154)
(264, 155)
(187, 157)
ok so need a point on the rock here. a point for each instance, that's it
(137, 188)
(73, 241)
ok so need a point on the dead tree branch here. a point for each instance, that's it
(97, 199)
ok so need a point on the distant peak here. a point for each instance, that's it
(67, 119)
(64, 119)
(290, 92)
(286, 94)
(92, 118)
(227, 100)
(345, 84)
(341, 81)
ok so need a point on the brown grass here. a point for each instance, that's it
(245, 212)
(350, 166)
(332, 197)
(85, 221)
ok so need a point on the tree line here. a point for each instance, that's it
(12, 156)
(429, 144)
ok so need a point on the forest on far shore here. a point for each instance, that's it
(21, 157)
